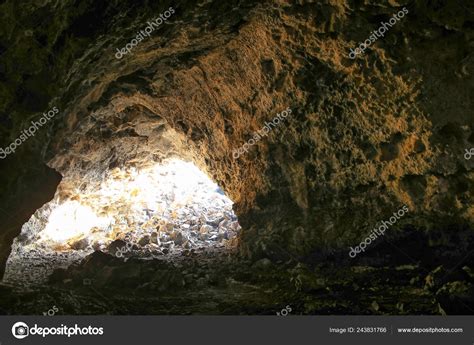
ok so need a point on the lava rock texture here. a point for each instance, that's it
(365, 136)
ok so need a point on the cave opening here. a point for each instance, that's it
(162, 211)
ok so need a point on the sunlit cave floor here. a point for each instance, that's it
(218, 282)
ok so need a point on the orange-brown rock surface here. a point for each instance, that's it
(365, 135)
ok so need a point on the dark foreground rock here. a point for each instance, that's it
(218, 282)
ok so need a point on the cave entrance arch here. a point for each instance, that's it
(160, 211)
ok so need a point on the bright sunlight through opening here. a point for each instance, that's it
(168, 209)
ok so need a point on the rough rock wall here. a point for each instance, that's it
(365, 136)
(24, 200)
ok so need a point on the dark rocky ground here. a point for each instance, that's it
(400, 277)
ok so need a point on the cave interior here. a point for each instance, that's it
(234, 158)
